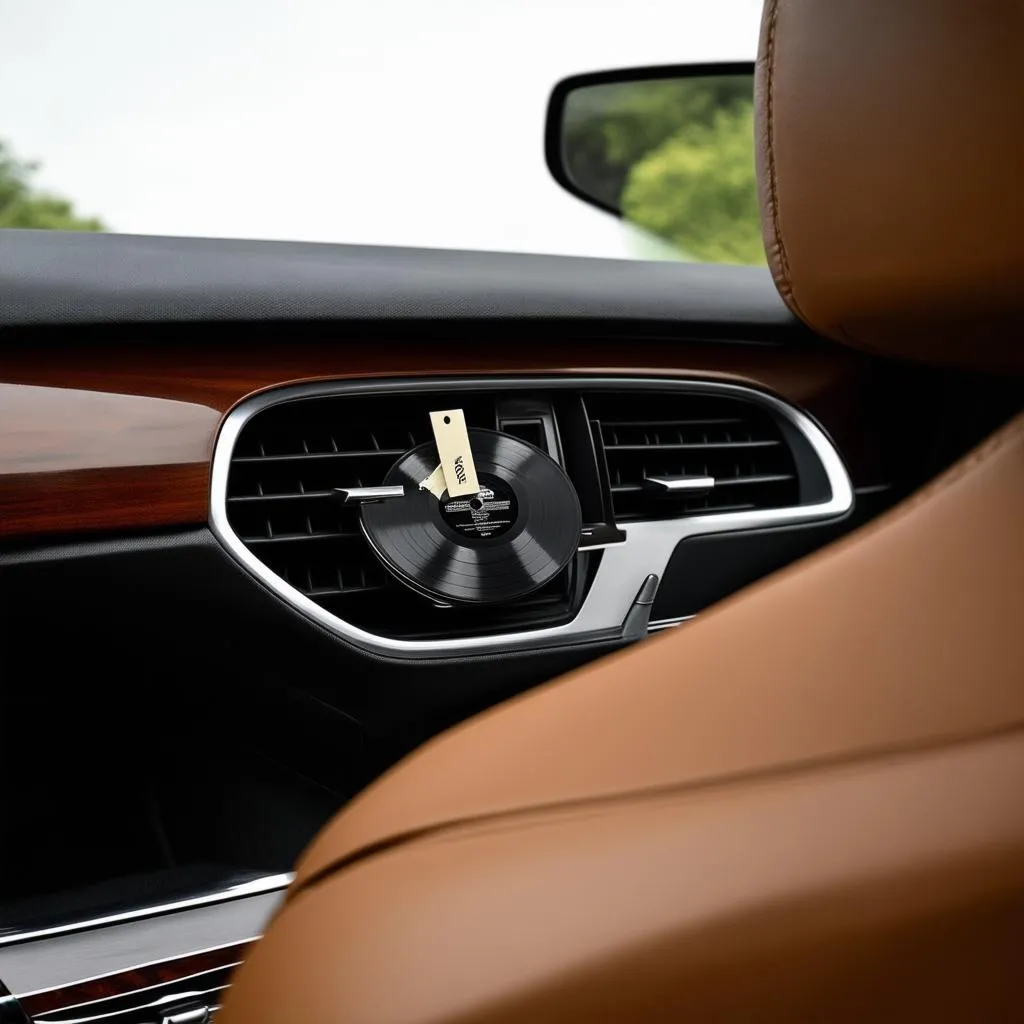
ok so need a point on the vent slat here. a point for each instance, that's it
(754, 480)
(287, 465)
(735, 481)
(347, 591)
(299, 538)
(296, 496)
(660, 435)
(313, 456)
(695, 446)
(708, 422)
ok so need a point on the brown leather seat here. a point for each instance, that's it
(807, 804)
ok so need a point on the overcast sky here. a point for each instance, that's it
(411, 122)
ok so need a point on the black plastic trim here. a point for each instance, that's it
(709, 568)
(69, 278)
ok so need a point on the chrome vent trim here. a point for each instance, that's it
(648, 546)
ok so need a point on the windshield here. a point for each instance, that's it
(396, 122)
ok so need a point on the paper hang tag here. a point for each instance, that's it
(452, 440)
(434, 483)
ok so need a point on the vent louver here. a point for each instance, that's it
(285, 463)
(666, 458)
(664, 450)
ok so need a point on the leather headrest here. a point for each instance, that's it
(891, 165)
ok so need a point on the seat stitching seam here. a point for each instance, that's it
(786, 280)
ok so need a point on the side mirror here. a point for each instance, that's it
(670, 149)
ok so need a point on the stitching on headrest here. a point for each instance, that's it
(783, 278)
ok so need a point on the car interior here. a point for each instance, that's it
(702, 697)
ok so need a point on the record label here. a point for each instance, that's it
(489, 513)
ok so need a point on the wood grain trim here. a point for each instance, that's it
(219, 375)
(53, 430)
(104, 499)
(74, 460)
(115, 437)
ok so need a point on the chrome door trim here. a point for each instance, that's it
(252, 887)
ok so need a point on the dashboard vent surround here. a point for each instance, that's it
(663, 450)
(285, 463)
(747, 461)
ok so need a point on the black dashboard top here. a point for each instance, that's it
(67, 278)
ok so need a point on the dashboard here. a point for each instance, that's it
(124, 433)
(183, 591)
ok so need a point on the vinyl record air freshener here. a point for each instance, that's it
(509, 538)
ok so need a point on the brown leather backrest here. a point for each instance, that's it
(803, 806)
(891, 166)
(886, 892)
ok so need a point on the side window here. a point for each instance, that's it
(674, 156)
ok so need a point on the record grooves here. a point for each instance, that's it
(511, 538)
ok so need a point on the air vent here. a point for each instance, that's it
(652, 454)
(285, 463)
(671, 455)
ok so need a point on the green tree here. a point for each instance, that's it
(698, 189)
(22, 206)
(609, 128)
(675, 156)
